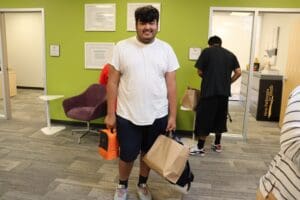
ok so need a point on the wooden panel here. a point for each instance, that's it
(12, 84)
(292, 69)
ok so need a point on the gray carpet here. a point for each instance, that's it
(34, 166)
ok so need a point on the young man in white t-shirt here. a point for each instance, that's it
(142, 77)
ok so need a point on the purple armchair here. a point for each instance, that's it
(87, 106)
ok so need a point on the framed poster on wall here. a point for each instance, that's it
(97, 54)
(131, 7)
(100, 17)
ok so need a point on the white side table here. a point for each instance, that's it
(50, 130)
(194, 122)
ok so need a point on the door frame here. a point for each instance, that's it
(256, 12)
(4, 69)
(6, 96)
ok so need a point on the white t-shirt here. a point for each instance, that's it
(142, 93)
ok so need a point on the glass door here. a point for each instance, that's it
(13, 63)
(1, 84)
(272, 50)
(1, 95)
(235, 29)
(259, 37)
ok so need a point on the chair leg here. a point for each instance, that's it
(81, 136)
(79, 130)
(86, 131)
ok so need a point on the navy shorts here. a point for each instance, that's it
(134, 139)
(211, 115)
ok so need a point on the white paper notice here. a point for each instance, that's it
(194, 53)
(97, 54)
(100, 17)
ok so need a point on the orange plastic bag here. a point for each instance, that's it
(108, 144)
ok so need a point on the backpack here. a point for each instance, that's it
(187, 177)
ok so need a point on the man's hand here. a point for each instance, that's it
(171, 124)
(110, 121)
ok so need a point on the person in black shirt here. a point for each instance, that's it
(215, 66)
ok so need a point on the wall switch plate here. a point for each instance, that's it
(54, 50)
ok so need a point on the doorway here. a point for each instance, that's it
(256, 36)
(237, 27)
(22, 57)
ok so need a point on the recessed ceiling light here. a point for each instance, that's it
(240, 13)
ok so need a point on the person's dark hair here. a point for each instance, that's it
(146, 14)
(215, 41)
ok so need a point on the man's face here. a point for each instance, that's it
(146, 31)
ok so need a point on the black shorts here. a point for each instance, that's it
(211, 115)
(134, 139)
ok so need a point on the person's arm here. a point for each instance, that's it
(236, 75)
(112, 93)
(200, 73)
(202, 62)
(104, 74)
(172, 98)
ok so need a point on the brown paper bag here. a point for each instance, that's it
(190, 98)
(167, 157)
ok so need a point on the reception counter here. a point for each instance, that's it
(265, 95)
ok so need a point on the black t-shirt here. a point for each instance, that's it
(217, 65)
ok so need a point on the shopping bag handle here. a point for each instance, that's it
(113, 130)
(170, 133)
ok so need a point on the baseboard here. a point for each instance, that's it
(76, 123)
(183, 133)
(32, 88)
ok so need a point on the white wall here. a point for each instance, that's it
(24, 47)
(235, 32)
(269, 24)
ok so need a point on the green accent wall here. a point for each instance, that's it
(184, 24)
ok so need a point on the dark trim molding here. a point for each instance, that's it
(32, 88)
(181, 133)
